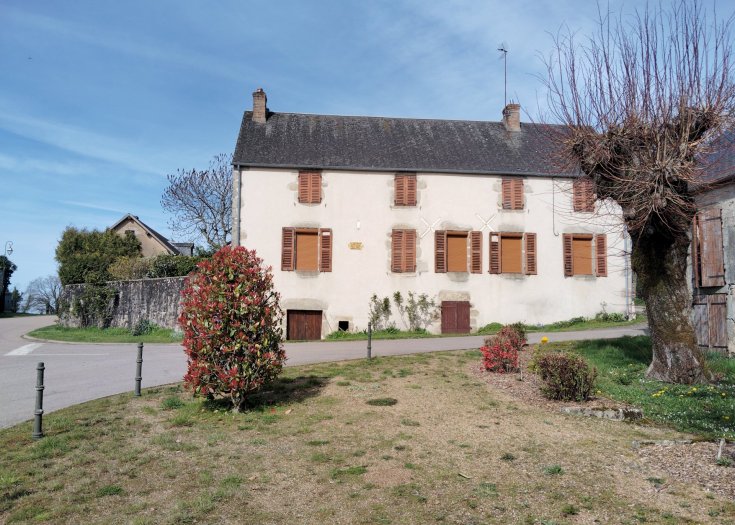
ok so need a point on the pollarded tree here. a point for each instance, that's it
(642, 101)
(232, 326)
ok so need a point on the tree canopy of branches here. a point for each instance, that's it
(85, 256)
(201, 202)
(642, 100)
(7, 268)
(42, 295)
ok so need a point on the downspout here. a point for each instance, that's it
(236, 188)
(627, 279)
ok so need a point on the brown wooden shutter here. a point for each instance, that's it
(583, 196)
(711, 249)
(717, 320)
(396, 251)
(440, 251)
(530, 239)
(494, 253)
(517, 194)
(700, 311)
(410, 190)
(568, 264)
(409, 250)
(601, 254)
(304, 183)
(287, 249)
(315, 189)
(400, 190)
(325, 250)
(476, 252)
(507, 194)
(696, 258)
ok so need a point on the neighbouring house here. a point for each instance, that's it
(152, 242)
(475, 214)
(712, 256)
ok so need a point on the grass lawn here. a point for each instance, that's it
(105, 335)
(401, 440)
(708, 410)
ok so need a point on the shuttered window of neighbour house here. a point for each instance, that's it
(451, 251)
(583, 195)
(306, 249)
(440, 251)
(585, 254)
(710, 320)
(457, 251)
(310, 187)
(512, 194)
(707, 248)
(403, 251)
(513, 252)
(405, 189)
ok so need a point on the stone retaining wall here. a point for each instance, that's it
(157, 300)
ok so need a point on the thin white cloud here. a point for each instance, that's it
(92, 206)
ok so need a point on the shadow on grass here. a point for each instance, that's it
(635, 349)
(283, 390)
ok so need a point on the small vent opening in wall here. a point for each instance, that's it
(343, 326)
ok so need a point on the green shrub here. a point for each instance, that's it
(379, 312)
(566, 377)
(232, 326)
(417, 312)
(94, 306)
(129, 268)
(166, 265)
(143, 327)
(614, 317)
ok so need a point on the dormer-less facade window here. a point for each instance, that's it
(310, 187)
(512, 194)
(405, 189)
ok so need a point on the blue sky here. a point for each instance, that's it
(99, 100)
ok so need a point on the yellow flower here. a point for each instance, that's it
(544, 340)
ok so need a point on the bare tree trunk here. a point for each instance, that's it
(660, 264)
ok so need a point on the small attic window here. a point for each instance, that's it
(131, 232)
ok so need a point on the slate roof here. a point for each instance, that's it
(719, 164)
(302, 141)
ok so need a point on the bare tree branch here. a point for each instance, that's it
(201, 202)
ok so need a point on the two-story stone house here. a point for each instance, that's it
(474, 214)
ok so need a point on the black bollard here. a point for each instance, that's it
(370, 341)
(139, 370)
(38, 421)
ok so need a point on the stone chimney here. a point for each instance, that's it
(512, 117)
(260, 111)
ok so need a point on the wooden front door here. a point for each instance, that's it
(303, 325)
(455, 317)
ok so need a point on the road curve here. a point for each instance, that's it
(76, 373)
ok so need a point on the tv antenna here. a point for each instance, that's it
(503, 48)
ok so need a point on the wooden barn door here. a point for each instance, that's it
(303, 325)
(455, 317)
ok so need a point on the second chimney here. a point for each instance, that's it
(259, 106)
(512, 117)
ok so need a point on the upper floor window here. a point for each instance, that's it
(583, 195)
(512, 194)
(585, 254)
(457, 251)
(310, 187)
(513, 252)
(405, 189)
(306, 249)
(708, 264)
(403, 251)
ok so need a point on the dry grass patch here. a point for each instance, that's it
(312, 450)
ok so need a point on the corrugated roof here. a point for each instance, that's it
(294, 140)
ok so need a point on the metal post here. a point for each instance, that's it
(139, 370)
(38, 422)
(370, 341)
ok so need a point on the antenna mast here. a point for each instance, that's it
(504, 49)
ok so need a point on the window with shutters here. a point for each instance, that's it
(708, 261)
(403, 251)
(512, 194)
(405, 189)
(310, 187)
(306, 249)
(583, 195)
(585, 254)
(513, 252)
(457, 251)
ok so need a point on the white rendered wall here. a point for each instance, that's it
(358, 206)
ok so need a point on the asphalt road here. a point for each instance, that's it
(81, 372)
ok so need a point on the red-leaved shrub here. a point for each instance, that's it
(566, 377)
(232, 326)
(499, 355)
(511, 334)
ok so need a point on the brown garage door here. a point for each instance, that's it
(455, 317)
(303, 325)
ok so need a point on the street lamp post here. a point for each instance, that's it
(8, 252)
